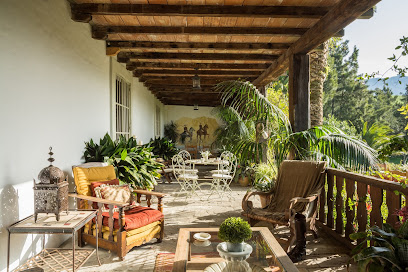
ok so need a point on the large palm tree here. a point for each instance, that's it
(249, 107)
(318, 73)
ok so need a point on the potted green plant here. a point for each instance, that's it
(264, 180)
(234, 231)
(163, 148)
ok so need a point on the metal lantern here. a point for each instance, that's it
(51, 192)
(196, 80)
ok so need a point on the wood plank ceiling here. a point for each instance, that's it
(163, 41)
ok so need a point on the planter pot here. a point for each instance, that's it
(235, 247)
(265, 199)
(244, 182)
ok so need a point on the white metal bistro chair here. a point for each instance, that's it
(223, 177)
(188, 180)
(187, 161)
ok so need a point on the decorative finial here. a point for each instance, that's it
(51, 159)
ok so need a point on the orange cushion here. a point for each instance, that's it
(134, 218)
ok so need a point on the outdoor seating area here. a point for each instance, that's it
(198, 136)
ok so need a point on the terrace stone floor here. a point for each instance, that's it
(323, 254)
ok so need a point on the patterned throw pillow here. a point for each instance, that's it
(119, 193)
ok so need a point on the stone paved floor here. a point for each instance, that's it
(322, 254)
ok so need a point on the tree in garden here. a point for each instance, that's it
(324, 143)
(318, 73)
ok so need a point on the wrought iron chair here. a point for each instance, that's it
(187, 179)
(223, 177)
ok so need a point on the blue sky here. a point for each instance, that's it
(377, 37)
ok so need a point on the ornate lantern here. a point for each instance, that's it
(51, 193)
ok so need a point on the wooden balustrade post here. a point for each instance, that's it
(376, 199)
(339, 205)
(362, 207)
(330, 184)
(322, 202)
(393, 204)
(350, 190)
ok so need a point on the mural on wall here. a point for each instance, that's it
(196, 131)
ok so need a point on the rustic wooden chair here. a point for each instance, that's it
(297, 190)
(119, 231)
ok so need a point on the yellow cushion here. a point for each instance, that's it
(145, 233)
(84, 176)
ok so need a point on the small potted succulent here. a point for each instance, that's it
(234, 231)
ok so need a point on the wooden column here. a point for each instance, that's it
(299, 92)
(262, 90)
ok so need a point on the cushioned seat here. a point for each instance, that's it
(134, 218)
(221, 176)
(188, 177)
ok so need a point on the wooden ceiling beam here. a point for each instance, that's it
(190, 45)
(124, 57)
(192, 103)
(102, 32)
(84, 12)
(345, 12)
(155, 72)
(217, 66)
(182, 91)
(175, 87)
(184, 80)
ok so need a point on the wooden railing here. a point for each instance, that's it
(353, 202)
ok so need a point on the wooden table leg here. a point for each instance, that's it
(73, 251)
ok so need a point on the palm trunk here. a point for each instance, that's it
(318, 73)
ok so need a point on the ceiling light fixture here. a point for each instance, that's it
(196, 81)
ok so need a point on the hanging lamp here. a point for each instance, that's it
(196, 81)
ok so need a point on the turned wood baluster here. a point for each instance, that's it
(393, 204)
(121, 219)
(322, 202)
(330, 184)
(339, 204)
(149, 200)
(350, 189)
(138, 200)
(376, 199)
(90, 231)
(159, 204)
(99, 218)
(362, 207)
(111, 222)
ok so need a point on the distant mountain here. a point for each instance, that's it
(393, 84)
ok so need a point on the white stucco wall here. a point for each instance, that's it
(55, 91)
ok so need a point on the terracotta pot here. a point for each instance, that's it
(244, 182)
(265, 199)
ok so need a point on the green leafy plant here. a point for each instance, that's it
(265, 175)
(388, 250)
(170, 131)
(234, 230)
(163, 148)
(270, 133)
(134, 165)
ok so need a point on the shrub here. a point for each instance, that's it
(134, 165)
(235, 230)
(265, 175)
(163, 148)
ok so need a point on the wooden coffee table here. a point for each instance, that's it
(267, 253)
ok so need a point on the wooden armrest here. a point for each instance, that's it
(303, 199)
(100, 200)
(145, 192)
(246, 204)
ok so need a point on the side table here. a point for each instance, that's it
(55, 259)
